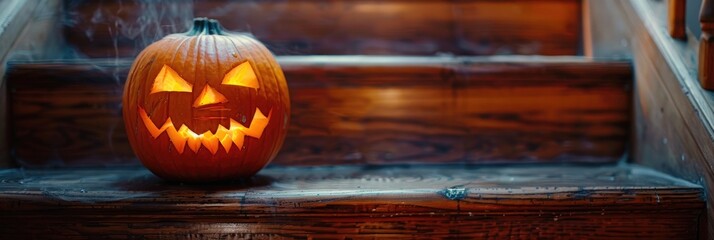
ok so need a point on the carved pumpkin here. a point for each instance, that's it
(206, 105)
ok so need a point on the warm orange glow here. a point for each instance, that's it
(242, 75)
(224, 137)
(169, 80)
(209, 96)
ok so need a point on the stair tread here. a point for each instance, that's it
(322, 186)
(326, 201)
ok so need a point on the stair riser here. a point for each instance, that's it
(395, 27)
(375, 110)
(621, 225)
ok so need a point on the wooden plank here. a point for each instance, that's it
(110, 29)
(607, 202)
(15, 16)
(361, 110)
(673, 114)
(107, 29)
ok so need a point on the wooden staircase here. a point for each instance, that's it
(512, 133)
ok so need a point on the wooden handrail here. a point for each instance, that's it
(706, 45)
(676, 18)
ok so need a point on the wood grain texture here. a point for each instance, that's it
(107, 29)
(469, 110)
(82, 116)
(584, 202)
(677, 10)
(673, 114)
(357, 110)
(706, 46)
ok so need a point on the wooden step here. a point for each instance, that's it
(358, 110)
(522, 201)
(101, 29)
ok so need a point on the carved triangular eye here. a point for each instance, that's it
(168, 80)
(242, 75)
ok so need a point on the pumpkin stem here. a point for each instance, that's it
(205, 26)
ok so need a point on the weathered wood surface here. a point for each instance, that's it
(673, 113)
(15, 15)
(357, 110)
(107, 29)
(583, 202)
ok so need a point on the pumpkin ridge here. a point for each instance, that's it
(266, 93)
(278, 87)
(198, 44)
(178, 49)
(173, 58)
(241, 56)
(194, 62)
(248, 56)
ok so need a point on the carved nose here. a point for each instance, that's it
(209, 96)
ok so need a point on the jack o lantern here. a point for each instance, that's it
(206, 105)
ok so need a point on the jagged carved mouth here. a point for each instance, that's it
(226, 137)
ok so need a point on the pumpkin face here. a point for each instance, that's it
(206, 105)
